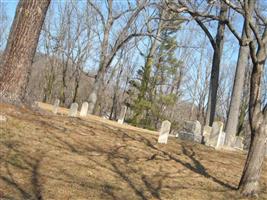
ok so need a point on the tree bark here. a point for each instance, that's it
(93, 97)
(114, 107)
(249, 183)
(215, 70)
(232, 120)
(20, 49)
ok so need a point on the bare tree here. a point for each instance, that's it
(108, 50)
(257, 38)
(20, 49)
(232, 120)
(67, 44)
(217, 43)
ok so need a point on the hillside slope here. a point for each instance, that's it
(57, 157)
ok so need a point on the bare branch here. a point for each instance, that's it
(98, 11)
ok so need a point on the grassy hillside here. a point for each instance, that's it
(43, 156)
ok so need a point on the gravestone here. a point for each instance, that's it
(239, 143)
(73, 110)
(206, 133)
(164, 132)
(217, 128)
(221, 140)
(186, 136)
(55, 106)
(84, 109)
(122, 115)
(191, 131)
(91, 104)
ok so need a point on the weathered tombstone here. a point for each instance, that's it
(206, 133)
(122, 115)
(239, 142)
(84, 109)
(164, 132)
(91, 104)
(197, 132)
(73, 110)
(221, 140)
(55, 106)
(217, 128)
(191, 131)
(186, 136)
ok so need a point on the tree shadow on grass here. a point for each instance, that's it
(143, 186)
(32, 166)
(197, 167)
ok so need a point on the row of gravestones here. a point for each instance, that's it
(215, 136)
(73, 111)
(211, 136)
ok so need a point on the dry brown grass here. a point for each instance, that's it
(57, 157)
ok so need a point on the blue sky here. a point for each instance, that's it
(10, 7)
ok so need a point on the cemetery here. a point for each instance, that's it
(133, 99)
(76, 157)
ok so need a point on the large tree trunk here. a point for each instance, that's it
(232, 120)
(20, 49)
(249, 183)
(215, 70)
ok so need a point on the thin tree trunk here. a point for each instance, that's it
(113, 112)
(50, 79)
(20, 49)
(63, 87)
(215, 70)
(232, 120)
(76, 88)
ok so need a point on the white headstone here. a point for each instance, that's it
(197, 131)
(73, 110)
(221, 140)
(84, 109)
(217, 128)
(206, 133)
(164, 132)
(91, 102)
(55, 106)
(122, 115)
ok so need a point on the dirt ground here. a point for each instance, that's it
(45, 156)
